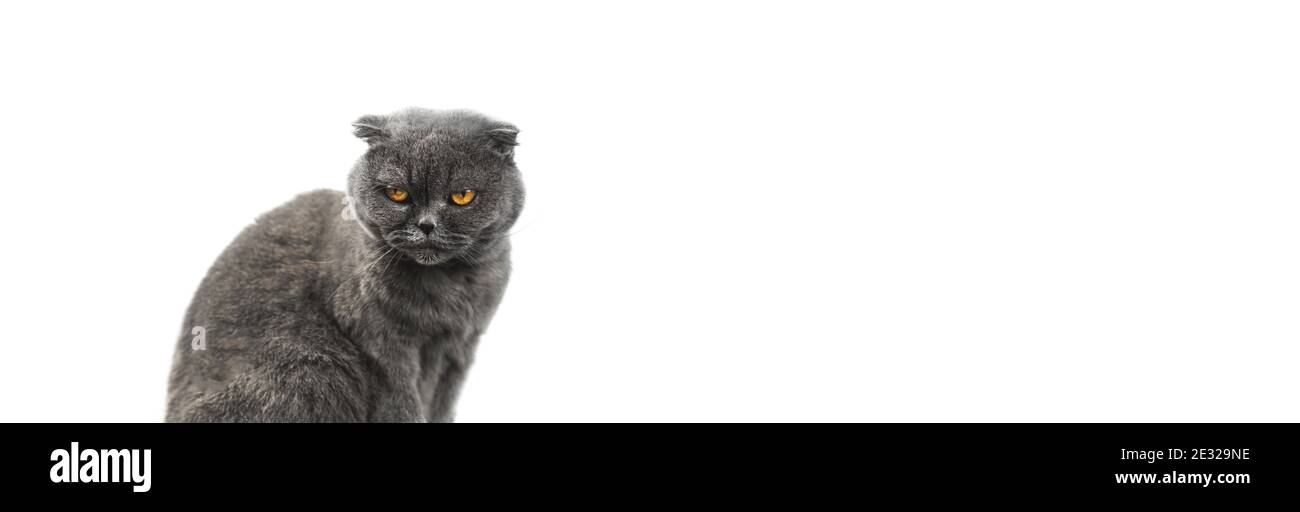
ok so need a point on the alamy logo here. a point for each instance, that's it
(349, 212)
(94, 466)
(200, 341)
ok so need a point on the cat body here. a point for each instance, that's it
(360, 306)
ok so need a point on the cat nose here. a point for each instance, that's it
(426, 226)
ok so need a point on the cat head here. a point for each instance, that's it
(436, 185)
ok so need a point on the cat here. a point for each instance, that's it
(364, 306)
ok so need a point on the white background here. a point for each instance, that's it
(737, 210)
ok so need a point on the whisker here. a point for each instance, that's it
(386, 251)
(510, 233)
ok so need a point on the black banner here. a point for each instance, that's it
(650, 463)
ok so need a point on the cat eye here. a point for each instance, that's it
(397, 195)
(463, 198)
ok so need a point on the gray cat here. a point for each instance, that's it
(364, 307)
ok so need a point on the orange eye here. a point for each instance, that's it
(463, 198)
(396, 194)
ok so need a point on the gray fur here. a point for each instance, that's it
(316, 314)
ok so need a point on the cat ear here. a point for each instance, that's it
(502, 141)
(370, 129)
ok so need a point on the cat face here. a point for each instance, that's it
(436, 186)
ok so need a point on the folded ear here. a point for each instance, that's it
(502, 141)
(370, 129)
